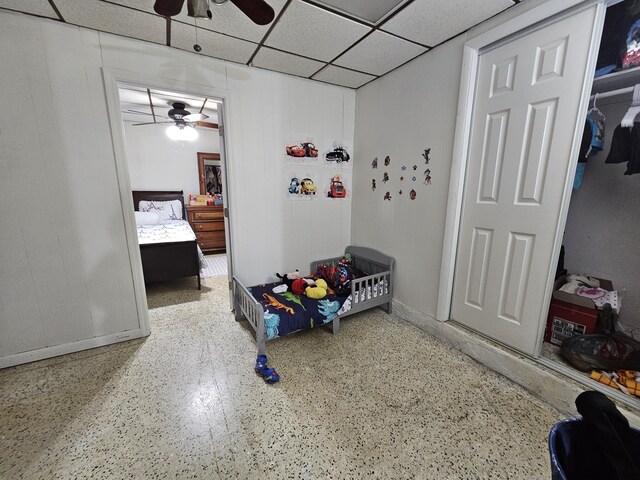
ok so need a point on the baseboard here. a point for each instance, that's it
(48, 352)
(554, 388)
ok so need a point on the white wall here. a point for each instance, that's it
(64, 265)
(158, 163)
(602, 232)
(399, 115)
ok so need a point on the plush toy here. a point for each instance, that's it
(317, 291)
(298, 286)
(288, 278)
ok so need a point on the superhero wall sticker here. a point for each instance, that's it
(387, 180)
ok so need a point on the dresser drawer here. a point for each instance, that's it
(217, 215)
(208, 226)
(216, 238)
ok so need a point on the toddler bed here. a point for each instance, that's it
(275, 315)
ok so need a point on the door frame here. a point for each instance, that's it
(111, 77)
(542, 13)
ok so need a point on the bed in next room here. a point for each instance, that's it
(275, 315)
(168, 245)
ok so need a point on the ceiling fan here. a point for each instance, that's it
(179, 116)
(183, 122)
(259, 11)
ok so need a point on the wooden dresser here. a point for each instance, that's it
(208, 224)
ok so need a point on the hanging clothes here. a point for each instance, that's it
(625, 148)
(592, 142)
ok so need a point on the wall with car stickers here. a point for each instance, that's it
(83, 294)
(405, 124)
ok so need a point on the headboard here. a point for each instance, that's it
(160, 196)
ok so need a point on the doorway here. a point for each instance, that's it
(163, 181)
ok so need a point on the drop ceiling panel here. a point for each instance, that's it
(310, 31)
(213, 44)
(379, 53)
(430, 22)
(342, 76)
(111, 18)
(227, 18)
(286, 62)
(368, 10)
(35, 7)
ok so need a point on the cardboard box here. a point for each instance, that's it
(566, 320)
(577, 299)
(571, 314)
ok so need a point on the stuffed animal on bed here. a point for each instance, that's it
(288, 278)
(317, 291)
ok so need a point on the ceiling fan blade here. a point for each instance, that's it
(150, 123)
(168, 8)
(195, 117)
(206, 124)
(136, 112)
(258, 11)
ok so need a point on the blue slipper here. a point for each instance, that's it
(261, 364)
(270, 376)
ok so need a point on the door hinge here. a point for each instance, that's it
(221, 130)
(226, 212)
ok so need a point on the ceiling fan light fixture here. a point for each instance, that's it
(188, 133)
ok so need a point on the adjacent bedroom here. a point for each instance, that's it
(173, 157)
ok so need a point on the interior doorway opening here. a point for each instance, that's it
(160, 133)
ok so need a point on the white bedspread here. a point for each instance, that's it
(167, 231)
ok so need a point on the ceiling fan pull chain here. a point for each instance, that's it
(196, 46)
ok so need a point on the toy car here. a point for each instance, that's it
(294, 186)
(338, 155)
(307, 186)
(295, 151)
(337, 190)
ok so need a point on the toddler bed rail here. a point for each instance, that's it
(373, 290)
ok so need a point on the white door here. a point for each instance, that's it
(525, 112)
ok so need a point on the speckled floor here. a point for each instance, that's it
(380, 400)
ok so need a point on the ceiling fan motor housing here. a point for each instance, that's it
(178, 111)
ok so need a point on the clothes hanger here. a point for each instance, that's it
(595, 107)
(634, 109)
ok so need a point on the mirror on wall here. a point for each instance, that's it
(209, 173)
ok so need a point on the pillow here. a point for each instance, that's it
(146, 218)
(171, 210)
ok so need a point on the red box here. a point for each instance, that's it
(567, 319)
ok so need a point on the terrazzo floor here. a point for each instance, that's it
(380, 400)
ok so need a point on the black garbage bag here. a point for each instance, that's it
(602, 352)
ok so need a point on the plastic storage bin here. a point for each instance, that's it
(574, 455)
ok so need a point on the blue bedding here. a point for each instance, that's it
(287, 312)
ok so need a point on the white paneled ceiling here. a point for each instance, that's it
(344, 42)
(431, 22)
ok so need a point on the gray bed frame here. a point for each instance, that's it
(376, 289)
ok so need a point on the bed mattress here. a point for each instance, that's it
(166, 232)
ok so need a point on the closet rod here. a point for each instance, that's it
(613, 93)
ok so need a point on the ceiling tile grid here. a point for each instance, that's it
(42, 8)
(379, 53)
(312, 32)
(371, 11)
(369, 38)
(431, 22)
(343, 77)
(285, 62)
(111, 18)
(213, 44)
